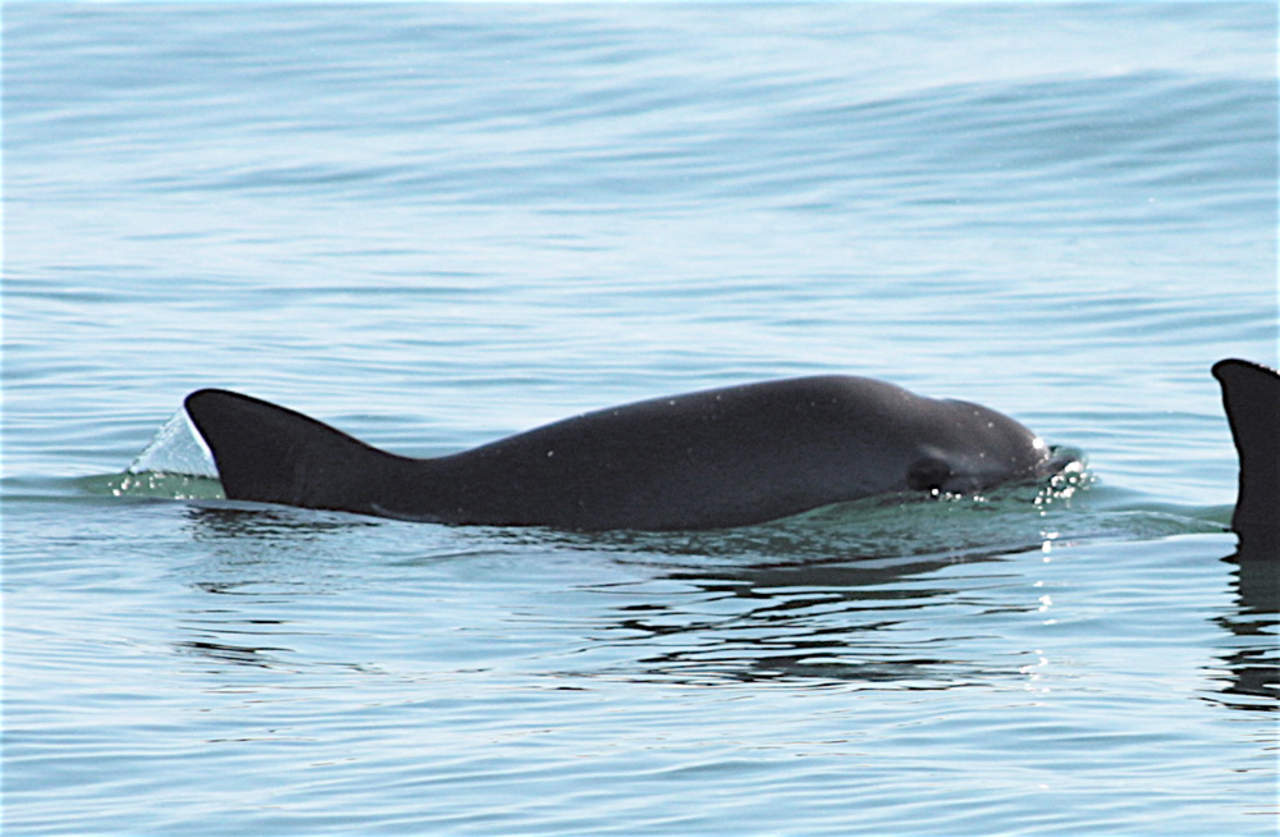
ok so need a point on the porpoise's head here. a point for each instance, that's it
(970, 447)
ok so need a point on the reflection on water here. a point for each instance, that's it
(1254, 673)
(262, 657)
(843, 596)
(837, 622)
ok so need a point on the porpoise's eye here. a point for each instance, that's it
(928, 474)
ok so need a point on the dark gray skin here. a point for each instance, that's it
(1251, 398)
(704, 460)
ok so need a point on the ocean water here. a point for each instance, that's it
(434, 225)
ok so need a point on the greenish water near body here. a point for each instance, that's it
(435, 225)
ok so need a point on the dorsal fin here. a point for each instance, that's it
(1251, 396)
(272, 454)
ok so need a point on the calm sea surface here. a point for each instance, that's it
(434, 225)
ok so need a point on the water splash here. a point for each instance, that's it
(163, 485)
(175, 464)
(176, 449)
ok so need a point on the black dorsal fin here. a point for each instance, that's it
(1251, 396)
(272, 454)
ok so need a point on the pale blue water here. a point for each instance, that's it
(435, 225)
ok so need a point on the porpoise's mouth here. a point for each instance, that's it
(1058, 475)
(1062, 458)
